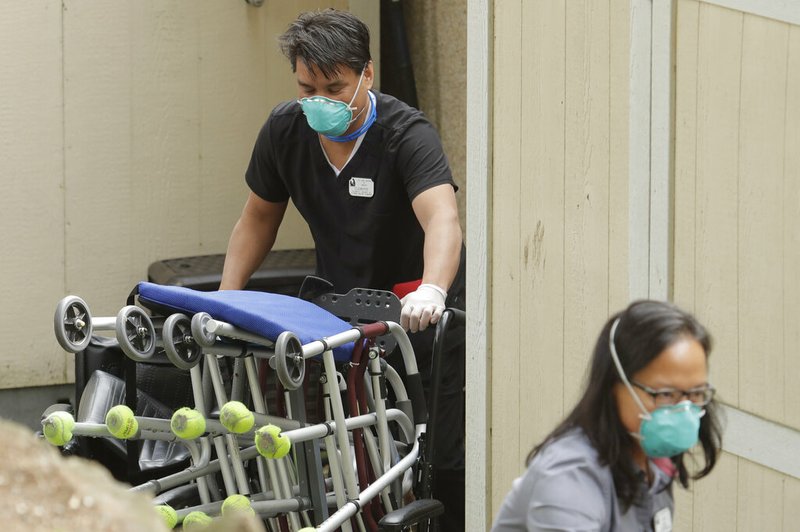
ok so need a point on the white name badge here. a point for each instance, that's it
(662, 521)
(362, 187)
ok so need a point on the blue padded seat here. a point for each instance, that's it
(261, 313)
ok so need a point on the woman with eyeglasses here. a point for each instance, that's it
(610, 464)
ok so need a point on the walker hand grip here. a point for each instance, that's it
(372, 330)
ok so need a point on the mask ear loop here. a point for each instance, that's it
(350, 104)
(645, 414)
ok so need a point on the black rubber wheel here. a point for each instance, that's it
(73, 324)
(179, 344)
(199, 331)
(135, 333)
(289, 361)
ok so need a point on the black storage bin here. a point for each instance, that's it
(282, 272)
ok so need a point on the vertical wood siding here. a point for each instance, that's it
(737, 236)
(559, 229)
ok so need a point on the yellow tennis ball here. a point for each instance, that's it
(57, 427)
(235, 504)
(236, 417)
(187, 423)
(121, 422)
(270, 443)
(168, 514)
(196, 520)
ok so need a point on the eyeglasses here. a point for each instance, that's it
(701, 396)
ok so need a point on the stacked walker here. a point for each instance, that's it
(361, 468)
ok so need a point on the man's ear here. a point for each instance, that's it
(369, 75)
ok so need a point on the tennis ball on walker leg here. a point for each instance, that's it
(121, 422)
(236, 504)
(196, 520)
(270, 443)
(188, 423)
(168, 514)
(236, 417)
(57, 427)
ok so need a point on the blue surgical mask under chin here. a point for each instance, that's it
(330, 117)
(668, 430)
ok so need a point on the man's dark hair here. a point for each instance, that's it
(327, 39)
(645, 329)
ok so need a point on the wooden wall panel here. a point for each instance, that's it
(760, 498)
(556, 228)
(760, 221)
(736, 238)
(717, 199)
(541, 220)
(586, 187)
(791, 235)
(507, 450)
(791, 503)
(685, 199)
(618, 152)
(715, 500)
(687, 51)
(32, 202)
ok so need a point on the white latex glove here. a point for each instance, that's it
(422, 307)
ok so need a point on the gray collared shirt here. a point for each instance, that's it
(566, 489)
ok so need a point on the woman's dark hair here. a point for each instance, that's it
(645, 329)
(327, 39)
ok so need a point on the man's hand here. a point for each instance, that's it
(422, 307)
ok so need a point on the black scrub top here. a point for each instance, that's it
(364, 229)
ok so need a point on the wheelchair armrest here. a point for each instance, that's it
(410, 514)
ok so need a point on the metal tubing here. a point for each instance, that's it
(340, 431)
(104, 324)
(380, 408)
(212, 366)
(261, 408)
(202, 485)
(200, 405)
(334, 457)
(351, 508)
(221, 328)
(409, 360)
(224, 465)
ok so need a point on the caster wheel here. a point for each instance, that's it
(199, 331)
(289, 361)
(73, 324)
(135, 333)
(179, 344)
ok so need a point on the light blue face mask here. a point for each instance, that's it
(668, 430)
(330, 117)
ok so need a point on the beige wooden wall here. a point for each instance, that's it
(559, 203)
(737, 240)
(125, 130)
(560, 226)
